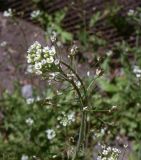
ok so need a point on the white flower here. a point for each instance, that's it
(38, 98)
(52, 76)
(8, 13)
(39, 51)
(137, 71)
(37, 57)
(114, 107)
(88, 73)
(24, 157)
(109, 149)
(50, 60)
(57, 61)
(109, 53)
(53, 36)
(29, 60)
(3, 44)
(125, 145)
(109, 153)
(58, 126)
(46, 55)
(130, 12)
(58, 118)
(46, 49)
(71, 117)
(64, 122)
(38, 72)
(103, 146)
(66, 119)
(138, 75)
(85, 108)
(38, 66)
(35, 157)
(105, 152)
(36, 46)
(43, 61)
(54, 156)
(41, 57)
(102, 131)
(59, 44)
(29, 121)
(116, 150)
(99, 158)
(30, 69)
(98, 71)
(52, 51)
(35, 14)
(50, 133)
(78, 84)
(98, 58)
(49, 50)
(73, 50)
(29, 100)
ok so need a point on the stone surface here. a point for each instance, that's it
(15, 38)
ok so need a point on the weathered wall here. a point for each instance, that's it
(18, 37)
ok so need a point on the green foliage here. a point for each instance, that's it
(53, 22)
(123, 90)
(91, 41)
(18, 137)
(94, 19)
(24, 127)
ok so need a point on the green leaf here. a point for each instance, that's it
(94, 19)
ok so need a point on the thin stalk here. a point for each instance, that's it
(80, 137)
(83, 102)
(74, 85)
(76, 76)
(123, 154)
(98, 110)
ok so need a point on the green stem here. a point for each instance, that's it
(77, 77)
(80, 136)
(98, 110)
(83, 103)
(75, 87)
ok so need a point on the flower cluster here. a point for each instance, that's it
(109, 153)
(35, 14)
(29, 100)
(50, 134)
(137, 71)
(100, 133)
(66, 119)
(73, 50)
(24, 157)
(134, 16)
(130, 12)
(109, 53)
(29, 121)
(8, 13)
(42, 59)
